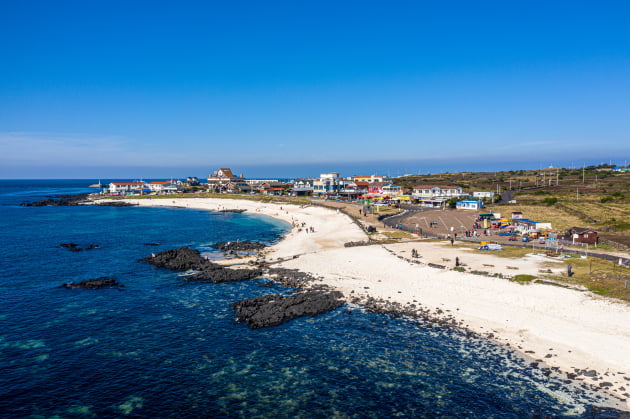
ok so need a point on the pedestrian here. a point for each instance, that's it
(452, 241)
(457, 261)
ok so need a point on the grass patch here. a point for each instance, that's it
(522, 279)
(397, 234)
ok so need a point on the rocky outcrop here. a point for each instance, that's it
(221, 274)
(180, 259)
(290, 278)
(185, 258)
(238, 246)
(356, 244)
(111, 203)
(73, 247)
(93, 284)
(60, 200)
(275, 309)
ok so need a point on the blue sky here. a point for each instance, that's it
(169, 89)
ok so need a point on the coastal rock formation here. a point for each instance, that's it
(238, 245)
(275, 309)
(185, 258)
(219, 273)
(73, 247)
(60, 200)
(291, 278)
(180, 259)
(93, 284)
(355, 244)
(110, 203)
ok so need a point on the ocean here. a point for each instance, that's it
(163, 348)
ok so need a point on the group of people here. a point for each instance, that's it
(302, 226)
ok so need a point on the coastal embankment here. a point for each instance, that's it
(574, 334)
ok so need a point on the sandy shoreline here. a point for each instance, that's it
(567, 329)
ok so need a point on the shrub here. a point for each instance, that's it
(550, 200)
(523, 279)
(606, 199)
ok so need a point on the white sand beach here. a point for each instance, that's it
(565, 328)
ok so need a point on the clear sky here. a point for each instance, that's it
(158, 89)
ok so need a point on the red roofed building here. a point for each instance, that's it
(123, 187)
(223, 180)
(165, 186)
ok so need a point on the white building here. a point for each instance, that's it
(437, 192)
(327, 182)
(162, 187)
(116, 188)
(469, 204)
(370, 179)
(482, 195)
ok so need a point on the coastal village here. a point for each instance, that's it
(519, 258)
(483, 215)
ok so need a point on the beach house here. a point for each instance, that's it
(167, 186)
(119, 188)
(302, 187)
(582, 235)
(469, 204)
(525, 225)
(223, 180)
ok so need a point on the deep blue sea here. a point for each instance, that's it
(164, 348)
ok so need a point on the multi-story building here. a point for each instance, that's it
(326, 184)
(437, 192)
(223, 180)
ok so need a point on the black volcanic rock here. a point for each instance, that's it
(73, 247)
(185, 258)
(222, 274)
(111, 203)
(60, 200)
(238, 245)
(180, 259)
(275, 309)
(93, 284)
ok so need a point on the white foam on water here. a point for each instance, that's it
(132, 403)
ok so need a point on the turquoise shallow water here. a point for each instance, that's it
(161, 347)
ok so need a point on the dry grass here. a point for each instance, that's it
(558, 218)
(398, 234)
